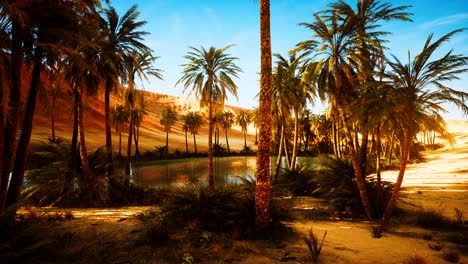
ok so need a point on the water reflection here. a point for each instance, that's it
(191, 171)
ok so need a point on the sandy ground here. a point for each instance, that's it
(441, 183)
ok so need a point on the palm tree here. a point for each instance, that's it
(209, 74)
(349, 43)
(119, 119)
(262, 190)
(168, 118)
(227, 122)
(243, 119)
(411, 83)
(195, 121)
(140, 65)
(43, 34)
(122, 36)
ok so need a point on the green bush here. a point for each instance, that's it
(225, 209)
(298, 181)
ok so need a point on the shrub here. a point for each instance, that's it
(55, 179)
(227, 209)
(298, 181)
(313, 244)
(431, 218)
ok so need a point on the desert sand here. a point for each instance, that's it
(440, 183)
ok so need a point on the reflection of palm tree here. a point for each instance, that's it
(243, 119)
(410, 81)
(167, 118)
(209, 74)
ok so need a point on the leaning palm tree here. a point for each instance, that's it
(243, 119)
(262, 190)
(122, 35)
(167, 118)
(420, 85)
(208, 73)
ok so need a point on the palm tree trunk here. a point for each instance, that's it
(11, 125)
(377, 160)
(361, 183)
(2, 130)
(186, 143)
(210, 147)
(245, 139)
(404, 161)
(136, 137)
(120, 144)
(262, 190)
(195, 145)
(286, 151)
(280, 154)
(110, 159)
(167, 142)
(16, 183)
(89, 187)
(53, 117)
(129, 150)
(227, 141)
(296, 135)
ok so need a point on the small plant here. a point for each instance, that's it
(436, 246)
(315, 247)
(376, 232)
(415, 260)
(147, 215)
(206, 238)
(451, 256)
(188, 259)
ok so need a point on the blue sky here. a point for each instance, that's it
(174, 25)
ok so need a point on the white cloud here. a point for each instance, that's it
(448, 20)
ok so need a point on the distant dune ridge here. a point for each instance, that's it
(152, 134)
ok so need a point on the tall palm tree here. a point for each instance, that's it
(348, 43)
(243, 119)
(420, 86)
(136, 65)
(122, 36)
(227, 122)
(208, 73)
(167, 118)
(44, 34)
(262, 190)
